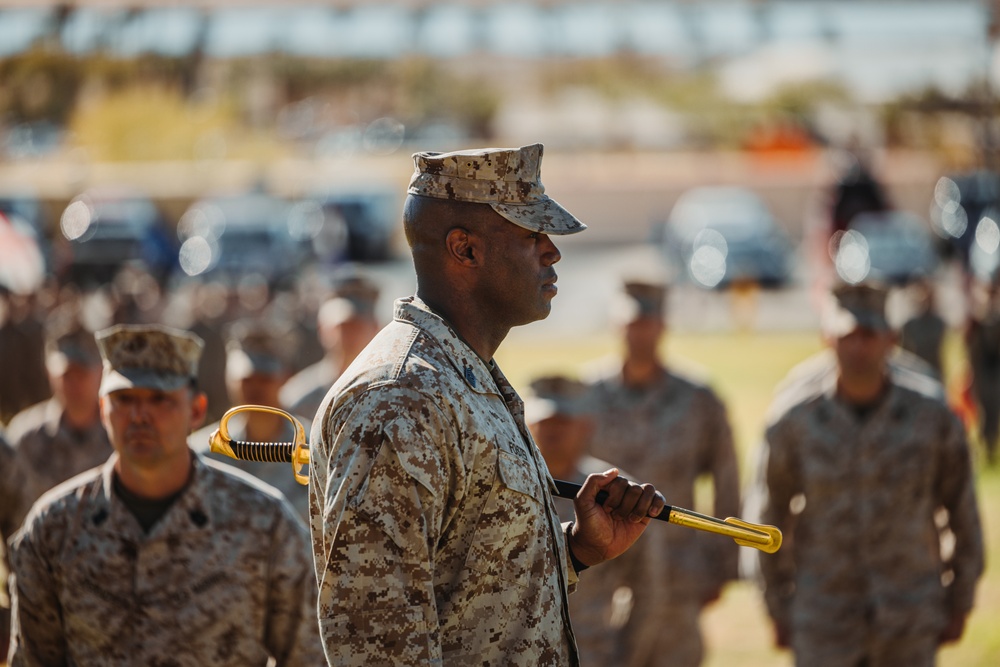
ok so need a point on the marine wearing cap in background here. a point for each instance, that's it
(843, 446)
(673, 428)
(58, 438)
(357, 287)
(612, 608)
(63, 436)
(346, 322)
(161, 529)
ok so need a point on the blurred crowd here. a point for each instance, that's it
(286, 348)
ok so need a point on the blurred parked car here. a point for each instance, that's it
(229, 237)
(107, 228)
(720, 235)
(893, 247)
(960, 202)
(984, 252)
(367, 222)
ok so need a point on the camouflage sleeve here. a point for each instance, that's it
(37, 636)
(722, 465)
(391, 474)
(957, 494)
(292, 631)
(781, 483)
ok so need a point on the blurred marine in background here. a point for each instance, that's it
(62, 436)
(672, 430)
(614, 608)
(866, 475)
(345, 324)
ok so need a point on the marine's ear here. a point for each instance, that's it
(464, 247)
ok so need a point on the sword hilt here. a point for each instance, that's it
(296, 452)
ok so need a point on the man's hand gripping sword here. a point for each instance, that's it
(746, 534)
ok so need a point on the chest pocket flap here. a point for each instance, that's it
(517, 474)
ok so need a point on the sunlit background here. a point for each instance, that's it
(258, 140)
(171, 159)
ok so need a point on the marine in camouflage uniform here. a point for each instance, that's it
(257, 364)
(58, 438)
(673, 429)
(611, 608)
(193, 565)
(435, 537)
(63, 436)
(345, 324)
(857, 473)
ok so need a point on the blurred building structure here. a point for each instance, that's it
(878, 48)
(325, 80)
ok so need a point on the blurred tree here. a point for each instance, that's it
(39, 85)
(156, 123)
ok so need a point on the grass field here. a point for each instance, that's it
(744, 368)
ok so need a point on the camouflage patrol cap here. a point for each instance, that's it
(256, 347)
(649, 298)
(357, 288)
(640, 299)
(553, 395)
(68, 341)
(508, 179)
(148, 357)
(850, 307)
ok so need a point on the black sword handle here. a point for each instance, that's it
(569, 490)
(266, 452)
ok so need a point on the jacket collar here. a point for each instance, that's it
(893, 401)
(190, 511)
(476, 373)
